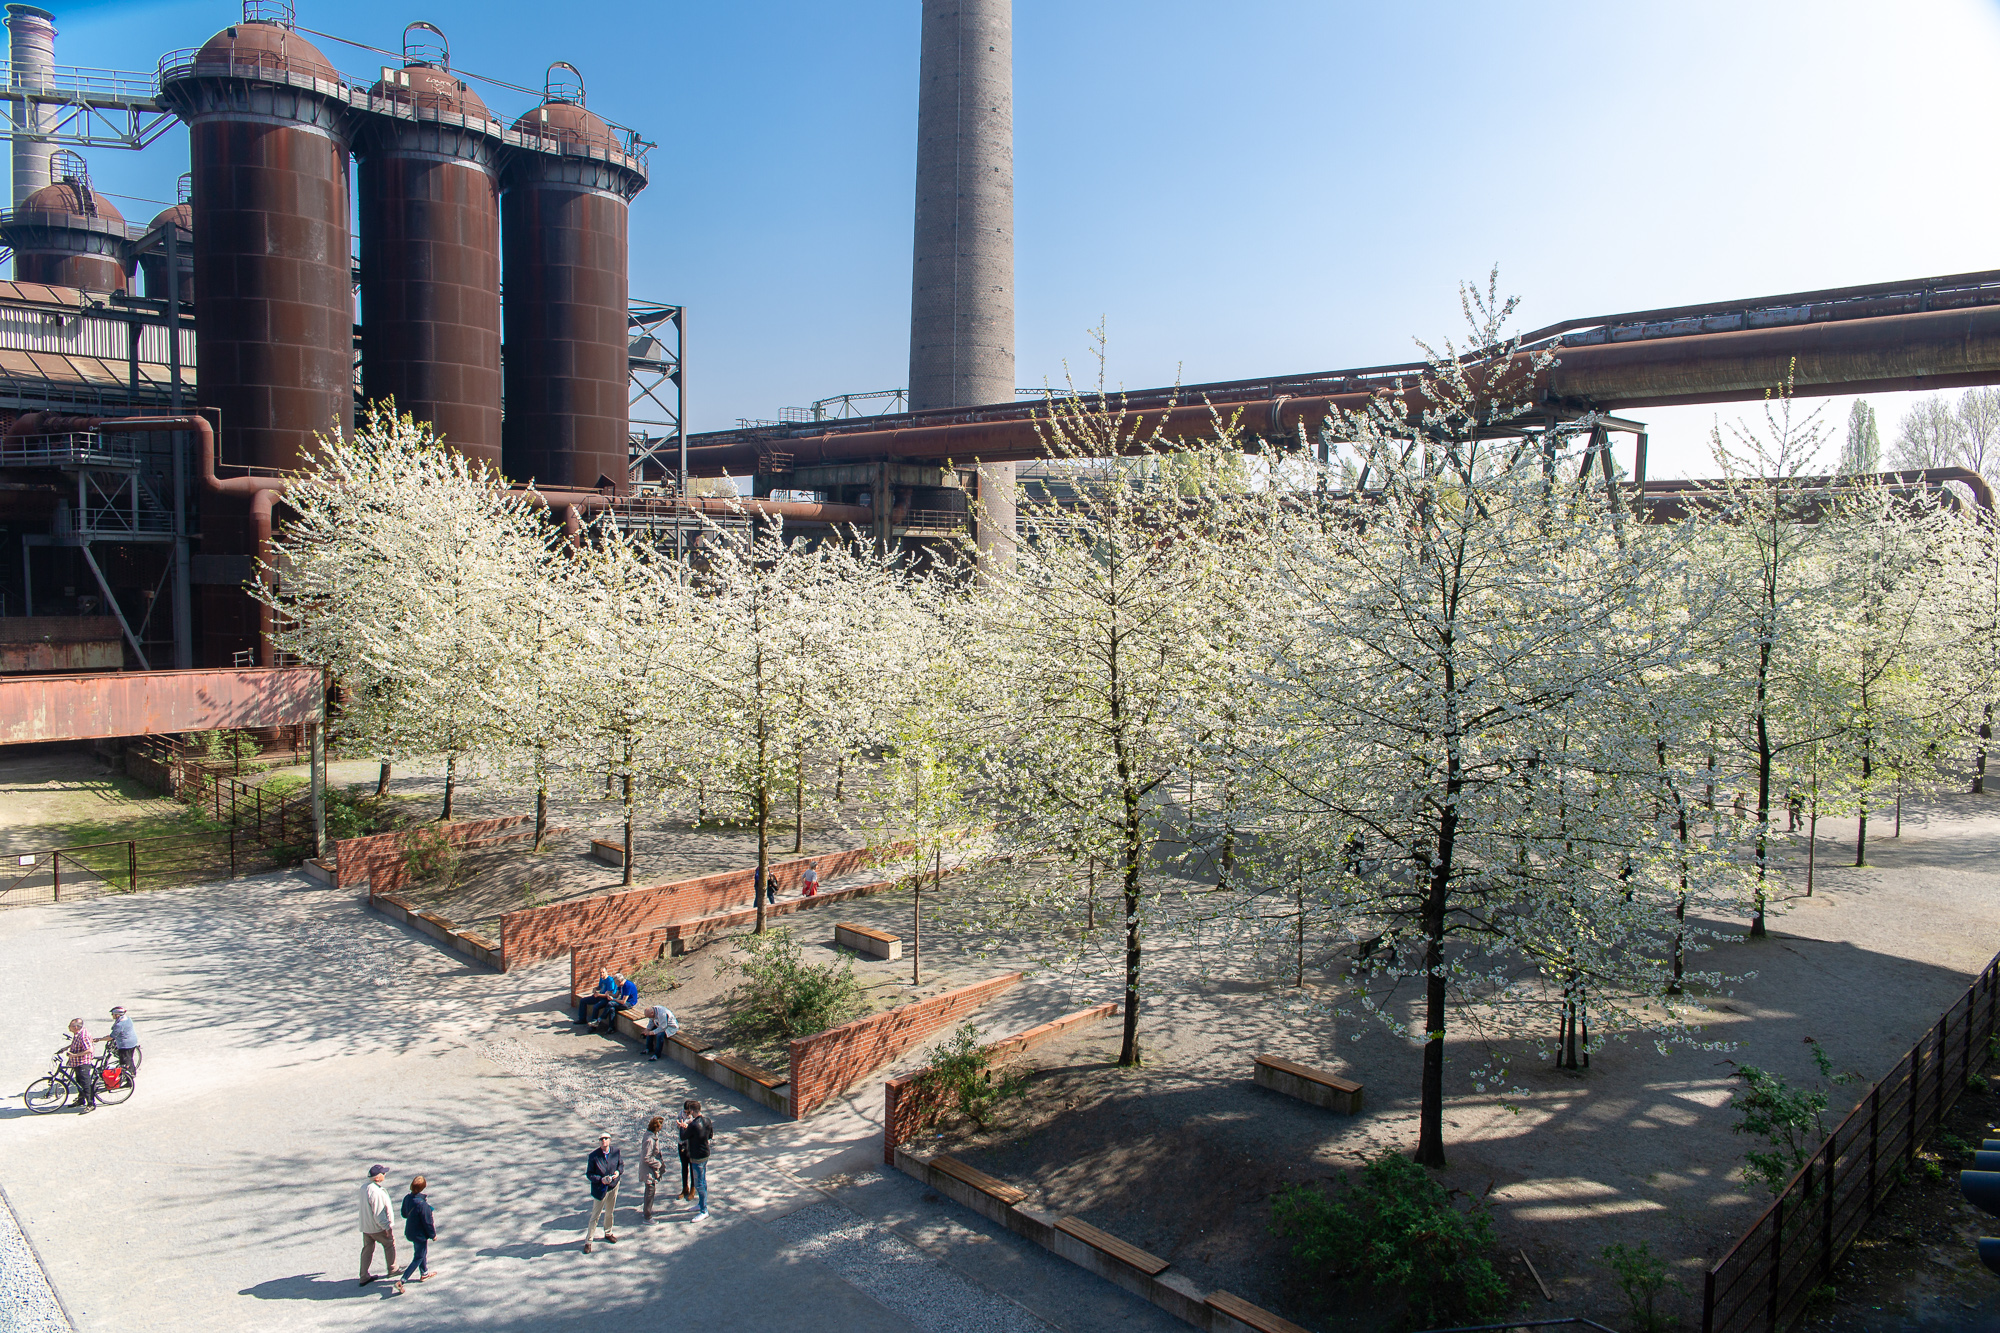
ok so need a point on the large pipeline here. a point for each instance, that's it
(1932, 349)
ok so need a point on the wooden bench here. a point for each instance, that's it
(1248, 1315)
(978, 1179)
(611, 853)
(749, 1071)
(1106, 1243)
(863, 939)
(1308, 1084)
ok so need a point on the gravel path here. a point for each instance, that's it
(898, 1274)
(27, 1305)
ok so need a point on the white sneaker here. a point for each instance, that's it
(699, 1217)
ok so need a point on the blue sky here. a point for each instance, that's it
(1235, 190)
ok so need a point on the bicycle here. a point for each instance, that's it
(53, 1090)
(114, 1081)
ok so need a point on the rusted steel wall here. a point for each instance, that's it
(94, 655)
(143, 703)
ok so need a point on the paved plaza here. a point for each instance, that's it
(293, 1038)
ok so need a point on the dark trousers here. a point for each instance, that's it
(420, 1258)
(656, 1043)
(685, 1173)
(86, 1084)
(128, 1060)
(588, 1008)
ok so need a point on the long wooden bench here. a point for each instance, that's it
(1106, 1243)
(1249, 1316)
(979, 1180)
(866, 939)
(1308, 1084)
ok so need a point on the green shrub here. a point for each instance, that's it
(1975, 1083)
(782, 996)
(1398, 1229)
(1792, 1120)
(1643, 1278)
(429, 857)
(959, 1081)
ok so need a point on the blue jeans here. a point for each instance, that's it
(699, 1170)
(421, 1258)
(587, 1008)
(656, 1044)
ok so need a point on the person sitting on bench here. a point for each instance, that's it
(624, 995)
(606, 993)
(660, 1024)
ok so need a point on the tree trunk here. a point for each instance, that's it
(1985, 741)
(1812, 834)
(450, 781)
(762, 882)
(628, 826)
(1430, 1116)
(1764, 764)
(382, 778)
(541, 796)
(917, 926)
(799, 804)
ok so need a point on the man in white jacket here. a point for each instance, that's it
(376, 1225)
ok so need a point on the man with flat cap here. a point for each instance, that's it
(375, 1225)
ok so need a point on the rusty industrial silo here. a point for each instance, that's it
(68, 234)
(153, 265)
(566, 191)
(429, 186)
(268, 134)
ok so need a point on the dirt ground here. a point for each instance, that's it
(1181, 1155)
(1915, 1267)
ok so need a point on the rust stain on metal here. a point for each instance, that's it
(144, 703)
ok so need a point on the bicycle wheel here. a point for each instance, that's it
(50, 1092)
(108, 1095)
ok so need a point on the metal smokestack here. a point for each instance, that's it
(31, 63)
(962, 292)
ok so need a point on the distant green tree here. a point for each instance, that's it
(1862, 451)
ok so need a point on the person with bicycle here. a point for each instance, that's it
(125, 1041)
(82, 1066)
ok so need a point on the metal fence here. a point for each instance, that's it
(92, 870)
(1768, 1277)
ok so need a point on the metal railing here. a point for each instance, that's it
(79, 449)
(1768, 1277)
(95, 870)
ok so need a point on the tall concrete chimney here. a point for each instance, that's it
(962, 293)
(31, 61)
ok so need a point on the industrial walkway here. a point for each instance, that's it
(293, 1038)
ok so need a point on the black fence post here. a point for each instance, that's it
(232, 851)
(1916, 1095)
(1874, 1140)
(55, 865)
(1826, 1216)
(132, 865)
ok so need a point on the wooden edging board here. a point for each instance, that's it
(758, 1085)
(1144, 1275)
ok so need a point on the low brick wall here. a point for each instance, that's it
(622, 953)
(1155, 1281)
(535, 933)
(902, 1119)
(759, 1085)
(476, 947)
(378, 858)
(825, 1065)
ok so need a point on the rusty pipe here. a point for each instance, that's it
(264, 492)
(1888, 353)
(792, 510)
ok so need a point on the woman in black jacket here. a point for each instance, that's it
(420, 1228)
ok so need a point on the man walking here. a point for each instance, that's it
(697, 1133)
(375, 1224)
(602, 1170)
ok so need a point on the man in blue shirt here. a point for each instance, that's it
(124, 1040)
(624, 995)
(605, 994)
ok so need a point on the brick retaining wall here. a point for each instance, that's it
(823, 1066)
(378, 858)
(476, 947)
(902, 1119)
(535, 933)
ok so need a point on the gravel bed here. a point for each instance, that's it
(899, 1275)
(27, 1303)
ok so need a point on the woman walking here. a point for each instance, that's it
(653, 1160)
(420, 1229)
